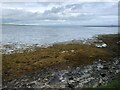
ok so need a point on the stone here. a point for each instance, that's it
(103, 74)
(80, 85)
(72, 50)
(71, 84)
(105, 67)
(99, 66)
(94, 75)
(54, 80)
(100, 82)
(117, 71)
(95, 85)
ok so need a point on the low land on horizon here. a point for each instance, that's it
(63, 25)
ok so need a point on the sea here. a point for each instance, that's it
(36, 34)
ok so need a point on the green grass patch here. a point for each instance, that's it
(113, 84)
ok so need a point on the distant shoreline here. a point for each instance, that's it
(65, 25)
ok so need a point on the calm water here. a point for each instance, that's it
(50, 34)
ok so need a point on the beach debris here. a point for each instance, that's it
(101, 45)
(64, 51)
(72, 50)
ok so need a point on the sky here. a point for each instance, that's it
(60, 13)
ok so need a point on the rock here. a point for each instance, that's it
(99, 66)
(71, 78)
(104, 45)
(95, 85)
(103, 74)
(71, 84)
(33, 82)
(80, 85)
(113, 67)
(116, 62)
(117, 71)
(100, 82)
(64, 51)
(105, 67)
(63, 86)
(55, 79)
(71, 81)
(94, 75)
(118, 42)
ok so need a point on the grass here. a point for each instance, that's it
(113, 84)
(59, 55)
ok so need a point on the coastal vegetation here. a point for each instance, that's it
(59, 55)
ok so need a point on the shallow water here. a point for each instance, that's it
(50, 34)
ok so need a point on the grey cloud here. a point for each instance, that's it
(54, 10)
(97, 8)
(76, 12)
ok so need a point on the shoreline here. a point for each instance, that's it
(10, 48)
(59, 57)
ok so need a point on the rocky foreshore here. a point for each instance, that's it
(10, 48)
(85, 76)
(71, 64)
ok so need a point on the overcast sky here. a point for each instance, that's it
(67, 13)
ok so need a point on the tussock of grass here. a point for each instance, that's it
(59, 55)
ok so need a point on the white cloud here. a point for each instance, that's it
(60, 13)
(59, 0)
